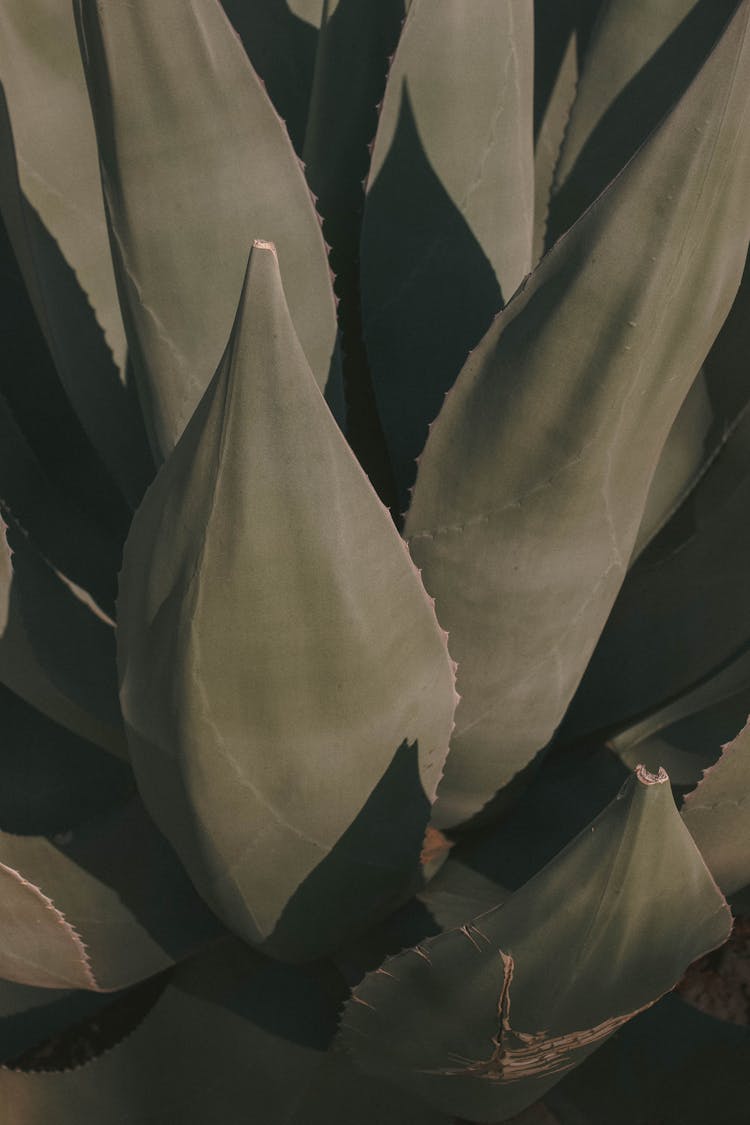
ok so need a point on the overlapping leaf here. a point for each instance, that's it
(534, 479)
(286, 687)
(99, 907)
(448, 218)
(230, 1031)
(52, 205)
(195, 165)
(482, 1020)
(717, 813)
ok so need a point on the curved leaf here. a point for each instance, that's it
(448, 225)
(115, 882)
(231, 1032)
(642, 56)
(52, 205)
(56, 650)
(39, 946)
(682, 615)
(195, 165)
(280, 44)
(534, 478)
(29, 1016)
(717, 813)
(286, 688)
(484, 1019)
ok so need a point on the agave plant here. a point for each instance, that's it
(373, 583)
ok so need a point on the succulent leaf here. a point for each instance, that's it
(286, 71)
(56, 651)
(230, 1030)
(286, 687)
(717, 812)
(642, 56)
(51, 201)
(111, 886)
(474, 1022)
(534, 478)
(448, 217)
(193, 171)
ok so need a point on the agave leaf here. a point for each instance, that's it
(474, 1021)
(286, 688)
(448, 225)
(667, 1065)
(534, 478)
(113, 887)
(355, 43)
(51, 201)
(716, 812)
(230, 1030)
(52, 779)
(29, 1016)
(664, 639)
(686, 735)
(642, 56)
(57, 651)
(39, 947)
(280, 44)
(195, 164)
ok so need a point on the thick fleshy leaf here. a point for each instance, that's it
(29, 1016)
(195, 165)
(686, 736)
(51, 200)
(641, 58)
(482, 1020)
(672, 1064)
(57, 652)
(286, 687)
(448, 217)
(230, 1031)
(717, 813)
(534, 478)
(39, 946)
(111, 886)
(280, 44)
(672, 628)
(356, 40)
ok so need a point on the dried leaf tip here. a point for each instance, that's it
(647, 778)
(263, 244)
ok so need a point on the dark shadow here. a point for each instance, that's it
(355, 44)
(429, 295)
(637, 111)
(125, 850)
(281, 48)
(49, 404)
(73, 646)
(370, 871)
(52, 779)
(30, 1016)
(568, 792)
(554, 23)
(298, 1003)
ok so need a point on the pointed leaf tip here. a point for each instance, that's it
(309, 726)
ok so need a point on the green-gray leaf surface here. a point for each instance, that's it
(232, 1036)
(286, 687)
(534, 479)
(55, 216)
(111, 887)
(482, 1020)
(195, 164)
(448, 218)
(717, 813)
